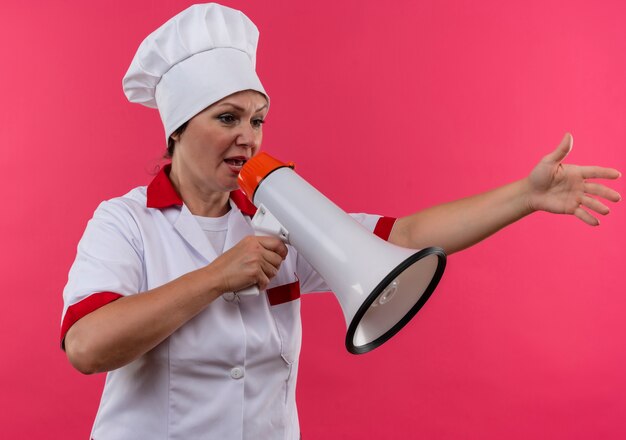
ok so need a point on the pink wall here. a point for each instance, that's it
(386, 107)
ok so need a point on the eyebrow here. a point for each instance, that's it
(241, 109)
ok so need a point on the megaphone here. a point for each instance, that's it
(380, 286)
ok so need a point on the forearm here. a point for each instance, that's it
(123, 330)
(457, 225)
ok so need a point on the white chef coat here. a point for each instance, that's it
(228, 373)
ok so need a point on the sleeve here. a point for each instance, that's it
(311, 281)
(108, 265)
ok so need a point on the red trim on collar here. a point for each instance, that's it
(161, 194)
(242, 202)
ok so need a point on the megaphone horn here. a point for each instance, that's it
(380, 286)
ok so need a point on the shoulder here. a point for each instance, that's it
(131, 204)
(124, 214)
(134, 200)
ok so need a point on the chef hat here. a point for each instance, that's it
(196, 58)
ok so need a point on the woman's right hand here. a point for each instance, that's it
(254, 260)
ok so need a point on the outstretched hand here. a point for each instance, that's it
(564, 189)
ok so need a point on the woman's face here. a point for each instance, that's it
(217, 141)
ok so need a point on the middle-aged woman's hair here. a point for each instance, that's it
(171, 142)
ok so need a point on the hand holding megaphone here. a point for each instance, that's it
(264, 224)
(380, 286)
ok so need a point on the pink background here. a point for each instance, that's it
(386, 107)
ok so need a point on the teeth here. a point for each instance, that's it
(236, 162)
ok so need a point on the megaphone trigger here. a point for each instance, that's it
(264, 223)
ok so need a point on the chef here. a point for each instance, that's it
(151, 297)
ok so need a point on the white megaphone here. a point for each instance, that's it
(380, 286)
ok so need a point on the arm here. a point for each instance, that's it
(119, 332)
(551, 187)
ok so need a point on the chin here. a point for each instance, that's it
(229, 187)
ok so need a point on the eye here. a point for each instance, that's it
(258, 122)
(227, 118)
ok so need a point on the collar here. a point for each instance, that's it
(161, 194)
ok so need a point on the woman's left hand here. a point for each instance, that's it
(564, 189)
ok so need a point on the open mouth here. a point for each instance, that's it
(235, 163)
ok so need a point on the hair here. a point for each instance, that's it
(171, 143)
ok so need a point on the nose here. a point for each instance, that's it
(248, 136)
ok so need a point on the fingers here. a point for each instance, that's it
(273, 254)
(254, 260)
(600, 190)
(593, 172)
(266, 273)
(562, 150)
(267, 268)
(272, 258)
(273, 244)
(586, 217)
(265, 257)
(595, 205)
(266, 251)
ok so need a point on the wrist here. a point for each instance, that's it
(527, 205)
(207, 283)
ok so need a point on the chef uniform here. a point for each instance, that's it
(229, 372)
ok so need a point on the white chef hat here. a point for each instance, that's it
(196, 58)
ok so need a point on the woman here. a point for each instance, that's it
(151, 296)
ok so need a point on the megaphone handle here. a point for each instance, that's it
(249, 291)
(264, 224)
